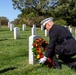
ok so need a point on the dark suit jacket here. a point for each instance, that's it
(60, 39)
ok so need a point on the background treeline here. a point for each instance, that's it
(33, 11)
(3, 20)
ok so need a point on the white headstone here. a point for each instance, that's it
(42, 27)
(31, 55)
(11, 27)
(46, 33)
(24, 27)
(34, 26)
(34, 31)
(69, 27)
(8, 24)
(70, 30)
(65, 26)
(16, 33)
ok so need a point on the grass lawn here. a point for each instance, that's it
(14, 55)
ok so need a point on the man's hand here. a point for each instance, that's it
(42, 60)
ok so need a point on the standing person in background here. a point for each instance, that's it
(61, 42)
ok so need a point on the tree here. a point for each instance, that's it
(66, 10)
(3, 20)
(41, 6)
(36, 4)
(35, 10)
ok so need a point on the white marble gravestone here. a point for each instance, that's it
(46, 33)
(65, 26)
(16, 33)
(42, 27)
(11, 27)
(33, 31)
(34, 26)
(8, 24)
(24, 27)
(31, 56)
(31, 39)
(69, 27)
(70, 30)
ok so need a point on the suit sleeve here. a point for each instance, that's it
(52, 40)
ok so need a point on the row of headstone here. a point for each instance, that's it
(34, 29)
(16, 30)
(11, 26)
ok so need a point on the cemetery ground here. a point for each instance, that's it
(14, 55)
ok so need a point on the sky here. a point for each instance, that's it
(7, 10)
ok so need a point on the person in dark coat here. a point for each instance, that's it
(61, 42)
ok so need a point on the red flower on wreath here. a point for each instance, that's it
(39, 47)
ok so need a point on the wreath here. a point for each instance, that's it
(39, 48)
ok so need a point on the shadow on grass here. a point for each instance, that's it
(3, 39)
(7, 69)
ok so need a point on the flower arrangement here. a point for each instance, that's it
(39, 47)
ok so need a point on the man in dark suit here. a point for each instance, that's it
(61, 42)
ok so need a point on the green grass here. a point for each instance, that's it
(14, 55)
